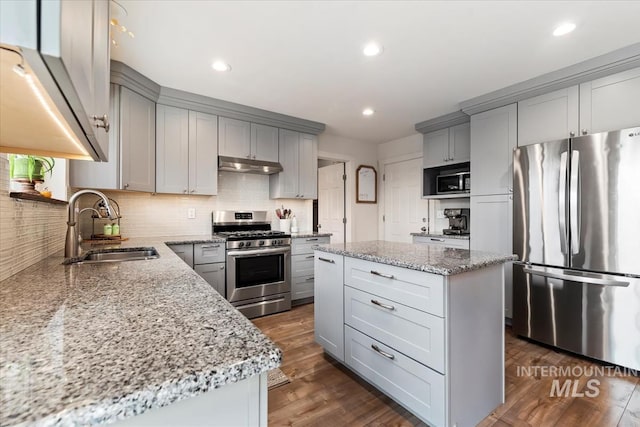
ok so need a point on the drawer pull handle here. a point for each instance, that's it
(312, 240)
(210, 246)
(437, 240)
(387, 276)
(310, 279)
(309, 256)
(379, 304)
(384, 353)
(326, 260)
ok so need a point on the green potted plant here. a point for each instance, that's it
(26, 170)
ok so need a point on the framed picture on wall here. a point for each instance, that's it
(366, 184)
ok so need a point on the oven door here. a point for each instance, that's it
(253, 273)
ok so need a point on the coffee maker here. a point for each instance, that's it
(458, 221)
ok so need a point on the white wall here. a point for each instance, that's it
(361, 217)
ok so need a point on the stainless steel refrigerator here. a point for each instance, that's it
(577, 232)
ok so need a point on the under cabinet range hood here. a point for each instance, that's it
(237, 164)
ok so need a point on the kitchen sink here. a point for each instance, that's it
(116, 255)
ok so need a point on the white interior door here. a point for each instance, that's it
(404, 207)
(331, 201)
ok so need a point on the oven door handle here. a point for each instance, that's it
(258, 252)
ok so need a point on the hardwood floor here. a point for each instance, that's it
(324, 393)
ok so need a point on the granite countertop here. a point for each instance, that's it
(443, 236)
(429, 258)
(94, 343)
(183, 240)
(306, 234)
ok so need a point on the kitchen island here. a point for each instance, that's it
(99, 343)
(424, 324)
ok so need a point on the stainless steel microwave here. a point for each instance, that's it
(453, 183)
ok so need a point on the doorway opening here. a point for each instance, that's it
(329, 210)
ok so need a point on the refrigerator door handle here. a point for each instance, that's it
(574, 202)
(562, 202)
(592, 278)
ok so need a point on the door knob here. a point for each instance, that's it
(319, 226)
(572, 134)
(584, 131)
(105, 122)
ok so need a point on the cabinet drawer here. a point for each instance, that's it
(302, 265)
(442, 241)
(415, 333)
(415, 386)
(206, 253)
(303, 245)
(302, 287)
(415, 289)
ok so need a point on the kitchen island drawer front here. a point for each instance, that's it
(416, 289)
(416, 387)
(302, 265)
(205, 253)
(304, 245)
(443, 241)
(415, 333)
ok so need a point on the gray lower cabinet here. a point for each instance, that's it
(298, 155)
(132, 147)
(302, 273)
(329, 303)
(185, 252)
(187, 151)
(206, 259)
(214, 274)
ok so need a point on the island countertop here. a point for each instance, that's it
(94, 343)
(428, 258)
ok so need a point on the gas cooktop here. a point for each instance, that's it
(252, 234)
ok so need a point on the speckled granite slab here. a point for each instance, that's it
(94, 343)
(184, 240)
(302, 235)
(432, 259)
(443, 236)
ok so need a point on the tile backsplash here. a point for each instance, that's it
(150, 215)
(29, 231)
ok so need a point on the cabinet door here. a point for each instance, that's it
(435, 148)
(101, 175)
(214, 274)
(264, 142)
(284, 185)
(492, 230)
(137, 142)
(203, 153)
(460, 143)
(548, 117)
(172, 149)
(185, 252)
(101, 76)
(308, 167)
(234, 138)
(329, 302)
(610, 103)
(493, 139)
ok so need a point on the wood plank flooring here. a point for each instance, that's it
(324, 393)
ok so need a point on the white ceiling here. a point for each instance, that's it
(304, 58)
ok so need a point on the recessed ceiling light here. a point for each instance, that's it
(221, 66)
(564, 28)
(368, 112)
(372, 49)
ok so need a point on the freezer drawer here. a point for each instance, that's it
(597, 320)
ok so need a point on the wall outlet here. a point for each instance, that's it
(440, 213)
(191, 213)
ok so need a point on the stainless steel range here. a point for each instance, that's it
(258, 262)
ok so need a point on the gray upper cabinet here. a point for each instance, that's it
(298, 155)
(131, 147)
(187, 146)
(493, 139)
(610, 103)
(601, 105)
(446, 146)
(138, 141)
(234, 138)
(548, 117)
(264, 142)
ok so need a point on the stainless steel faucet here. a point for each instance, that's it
(71, 245)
